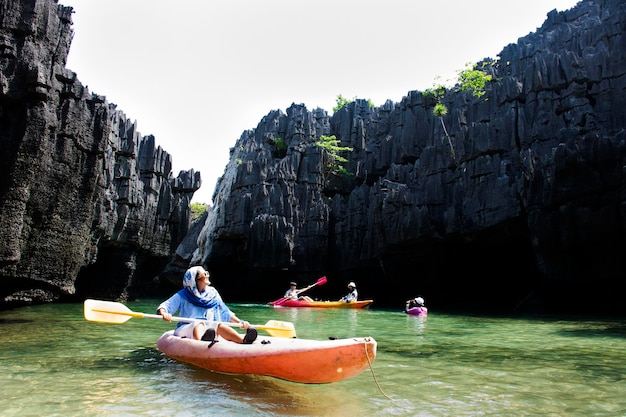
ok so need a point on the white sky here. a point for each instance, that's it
(197, 73)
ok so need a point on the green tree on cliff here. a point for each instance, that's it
(470, 79)
(330, 144)
(197, 210)
(342, 102)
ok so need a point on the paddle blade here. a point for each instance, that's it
(321, 281)
(107, 312)
(278, 328)
(278, 302)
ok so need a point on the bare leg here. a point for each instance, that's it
(229, 333)
(198, 331)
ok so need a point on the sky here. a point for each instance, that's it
(196, 74)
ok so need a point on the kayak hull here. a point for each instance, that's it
(320, 304)
(297, 360)
(417, 311)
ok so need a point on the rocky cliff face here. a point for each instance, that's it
(530, 209)
(87, 204)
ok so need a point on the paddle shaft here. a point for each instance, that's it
(305, 289)
(320, 281)
(116, 313)
(138, 315)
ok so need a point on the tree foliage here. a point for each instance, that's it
(474, 80)
(342, 102)
(330, 144)
(470, 79)
(197, 210)
(281, 146)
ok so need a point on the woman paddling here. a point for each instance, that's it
(199, 300)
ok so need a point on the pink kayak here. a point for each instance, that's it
(417, 311)
(291, 359)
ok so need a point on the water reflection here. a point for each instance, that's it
(417, 323)
(344, 321)
(270, 395)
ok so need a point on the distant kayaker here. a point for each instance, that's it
(352, 296)
(294, 294)
(199, 300)
(416, 307)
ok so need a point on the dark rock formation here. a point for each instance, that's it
(87, 204)
(528, 212)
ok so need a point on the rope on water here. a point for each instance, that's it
(369, 361)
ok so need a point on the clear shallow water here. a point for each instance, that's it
(54, 363)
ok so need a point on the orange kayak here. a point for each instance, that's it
(320, 304)
(291, 359)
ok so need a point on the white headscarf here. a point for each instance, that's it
(209, 298)
(189, 280)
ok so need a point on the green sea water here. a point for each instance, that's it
(55, 363)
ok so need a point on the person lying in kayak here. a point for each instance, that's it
(199, 300)
(294, 294)
(352, 296)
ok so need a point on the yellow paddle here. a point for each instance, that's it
(118, 313)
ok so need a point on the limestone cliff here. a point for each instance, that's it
(526, 212)
(87, 204)
(529, 209)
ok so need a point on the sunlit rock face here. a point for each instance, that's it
(87, 204)
(525, 209)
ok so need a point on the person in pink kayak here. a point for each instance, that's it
(199, 300)
(294, 294)
(416, 307)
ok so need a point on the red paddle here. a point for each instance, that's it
(320, 281)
